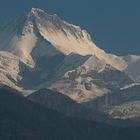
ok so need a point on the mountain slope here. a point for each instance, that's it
(85, 78)
(64, 37)
(133, 68)
(25, 120)
(39, 37)
(55, 101)
(120, 104)
(62, 103)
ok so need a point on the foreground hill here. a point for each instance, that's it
(21, 119)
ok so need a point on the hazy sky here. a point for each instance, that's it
(113, 24)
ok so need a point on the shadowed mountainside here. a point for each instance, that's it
(21, 119)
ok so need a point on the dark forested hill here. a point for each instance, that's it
(21, 119)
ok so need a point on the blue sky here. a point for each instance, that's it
(113, 24)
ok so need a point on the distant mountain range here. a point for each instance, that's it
(56, 65)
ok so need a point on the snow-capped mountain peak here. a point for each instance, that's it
(40, 50)
(50, 35)
(68, 38)
(39, 36)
